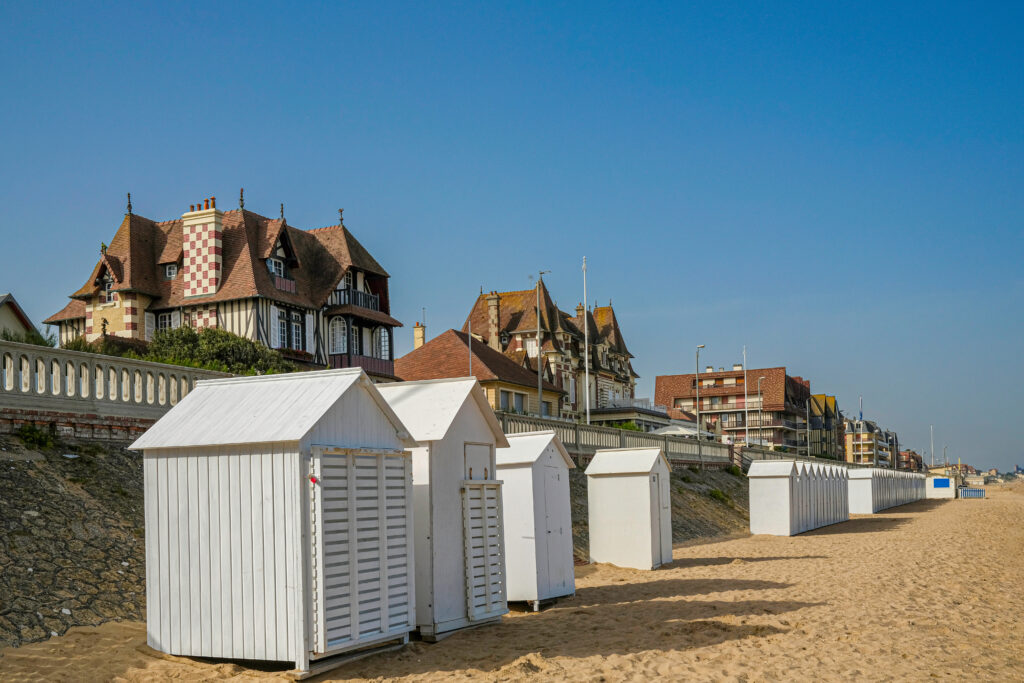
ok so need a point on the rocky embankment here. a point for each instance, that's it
(705, 504)
(71, 537)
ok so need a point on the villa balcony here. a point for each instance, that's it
(372, 366)
(352, 297)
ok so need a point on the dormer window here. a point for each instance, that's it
(276, 266)
(346, 281)
(108, 296)
(170, 271)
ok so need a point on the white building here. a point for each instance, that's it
(629, 507)
(459, 539)
(534, 470)
(278, 520)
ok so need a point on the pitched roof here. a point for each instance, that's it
(72, 311)
(141, 246)
(625, 461)
(428, 407)
(269, 408)
(447, 355)
(9, 300)
(608, 328)
(526, 448)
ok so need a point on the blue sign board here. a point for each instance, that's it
(940, 483)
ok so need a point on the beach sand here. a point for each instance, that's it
(931, 589)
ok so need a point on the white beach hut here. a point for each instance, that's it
(278, 520)
(534, 471)
(460, 568)
(774, 498)
(629, 508)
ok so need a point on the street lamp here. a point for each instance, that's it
(696, 386)
(540, 370)
(760, 413)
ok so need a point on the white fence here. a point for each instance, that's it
(583, 440)
(874, 489)
(45, 379)
(789, 497)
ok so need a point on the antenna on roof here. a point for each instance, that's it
(341, 218)
(129, 203)
(282, 210)
(241, 198)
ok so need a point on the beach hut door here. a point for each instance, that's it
(557, 527)
(656, 518)
(482, 537)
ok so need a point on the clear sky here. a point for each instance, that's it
(838, 188)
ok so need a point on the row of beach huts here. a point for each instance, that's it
(316, 517)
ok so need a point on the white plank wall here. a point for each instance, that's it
(223, 564)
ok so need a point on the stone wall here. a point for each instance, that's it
(72, 551)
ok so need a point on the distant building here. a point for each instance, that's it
(13, 318)
(509, 385)
(869, 444)
(638, 411)
(826, 432)
(507, 323)
(910, 460)
(777, 416)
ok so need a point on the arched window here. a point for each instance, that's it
(338, 336)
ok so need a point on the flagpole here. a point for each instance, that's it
(586, 342)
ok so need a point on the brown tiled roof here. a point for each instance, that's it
(677, 414)
(667, 388)
(608, 328)
(447, 355)
(74, 310)
(140, 246)
(364, 313)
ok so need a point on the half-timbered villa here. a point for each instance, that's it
(316, 295)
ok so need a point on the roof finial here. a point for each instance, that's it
(341, 217)
(241, 198)
(129, 203)
(282, 210)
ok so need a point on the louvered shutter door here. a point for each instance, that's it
(150, 326)
(362, 547)
(175, 319)
(484, 548)
(274, 336)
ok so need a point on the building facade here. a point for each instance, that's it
(316, 295)
(869, 444)
(13, 319)
(774, 402)
(507, 323)
(826, 435)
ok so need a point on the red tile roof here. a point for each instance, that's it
(447, 355)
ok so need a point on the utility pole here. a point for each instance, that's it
(746, 414)
(540, 369)
(808, 418)
(931, 428)
(696, 403)
(586, 341)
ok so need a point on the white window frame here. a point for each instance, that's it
(530, 344)
(275, 266)
(109, 295)
(338, 335)
(296, 330)
(170, 271)
(282, 333)
(163, 321)
(357, 333)
(346, 280)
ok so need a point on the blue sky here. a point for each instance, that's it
(838, 188)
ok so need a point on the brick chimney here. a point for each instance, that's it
(579, 310)
(419, 335)
(493, 320)
(201, 244)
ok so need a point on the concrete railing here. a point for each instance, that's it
(788, 497)
(39, 378)
(750, 454)
(582, 441)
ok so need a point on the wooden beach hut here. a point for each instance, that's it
(774, 498)
(629, 506)
(278, 515)
(534, 470)
(460, 568)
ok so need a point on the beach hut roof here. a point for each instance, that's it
(264, 409)
(443, 399)
(771, 468)
(625, 461)
(527, 447)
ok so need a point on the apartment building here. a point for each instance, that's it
(869, 444)
(826, 428)
(316, 295)
(910, 460)
(766, 403)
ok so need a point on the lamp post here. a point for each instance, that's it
(746, 415)
(696, 403)
(760, 413)
(540, 369)
(586, 342)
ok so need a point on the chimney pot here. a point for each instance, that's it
(191, 208)
(213, 202)
(207, 203)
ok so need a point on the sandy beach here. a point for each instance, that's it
(927, 590)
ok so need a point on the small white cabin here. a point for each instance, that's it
(534, 470)
(278, 520)
(774, 504)
(460, 564)
(629, 505)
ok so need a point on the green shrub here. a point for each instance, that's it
(735, 471)
(720, 496)
(32, 336)
(215, 349)
(630, 426)
(34, 437)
